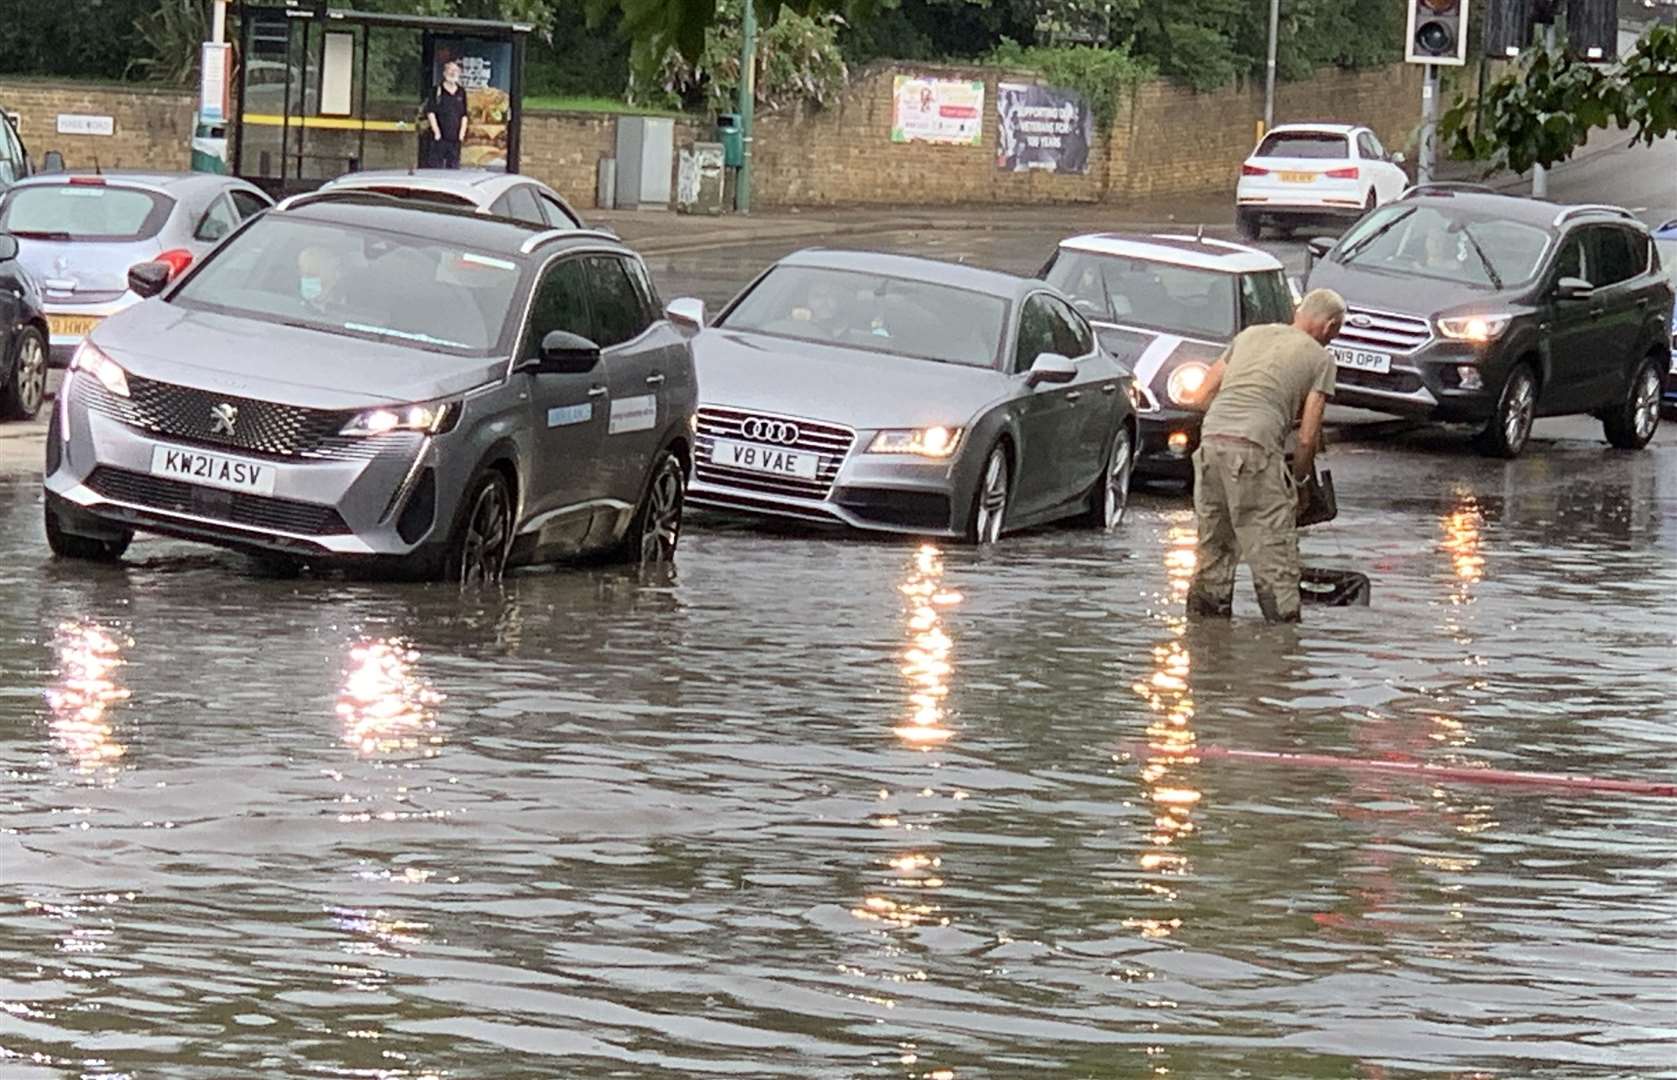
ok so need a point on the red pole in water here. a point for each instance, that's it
(1423, 771)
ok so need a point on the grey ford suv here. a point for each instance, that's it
(1492, 310)
(354, 379)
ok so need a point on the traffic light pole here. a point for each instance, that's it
(1540, 175)
(1269, 70)
(1427, 161)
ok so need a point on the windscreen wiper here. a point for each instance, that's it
(1496, 281)
(1356, 249)
(40, 234)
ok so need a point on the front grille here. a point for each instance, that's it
(264, 428)
(235, 507)
(1385, 331)
(1398, 382)
(831, 442)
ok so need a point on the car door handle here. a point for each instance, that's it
(1596, 313)
(596, 391)
(655, 380)
(1075, 395)
(1109, 388)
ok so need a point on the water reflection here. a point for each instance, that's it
(1167, 775)
(384, 704)
(926, 664)
(1463, 528)
(87, 690)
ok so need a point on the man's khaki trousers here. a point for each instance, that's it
(1247, 506)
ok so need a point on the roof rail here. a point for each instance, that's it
(536, 240)
(309, 198)
(1672, 224)
(1447, 186)
(1592, 208)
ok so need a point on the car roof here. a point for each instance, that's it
(433, 179)
(183, 183)
(1202, 253)
(1323, 129)
(444, 224)
(1519, 208)
(935, 271)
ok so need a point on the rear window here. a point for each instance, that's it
(416, 194)
(1304, 144)
(91, 212)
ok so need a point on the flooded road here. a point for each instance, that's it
(837, 808)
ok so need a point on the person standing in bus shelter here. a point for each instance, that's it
(446, 113)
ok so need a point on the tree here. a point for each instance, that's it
(1544, 108)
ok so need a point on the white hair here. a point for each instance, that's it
(1323, 306)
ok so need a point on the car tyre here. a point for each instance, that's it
(1632, 423)
(21, 397)
(655, 532)
(1516, 407)
(989, 502)
(1246, 223)
(67, 545)
(477, 552)
(1112, 491)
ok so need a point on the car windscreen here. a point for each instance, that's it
(1140, 292)
(1304, 144)
(361, 283)
(84, 211)
(430, 196)
(876, 312)
(1440, 242)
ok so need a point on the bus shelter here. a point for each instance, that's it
(321, 92)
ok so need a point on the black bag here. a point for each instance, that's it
(1317, 503)
(1334, 588)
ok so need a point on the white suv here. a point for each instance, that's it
(1303, 173)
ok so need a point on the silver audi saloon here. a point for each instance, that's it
(908, 395)
(357, 380)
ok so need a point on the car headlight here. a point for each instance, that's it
(432, 418)
(1475, 328)
(1186, 382)
(88, 358)
(932, 442)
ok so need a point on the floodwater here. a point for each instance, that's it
(820, 807)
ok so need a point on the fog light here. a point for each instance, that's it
(1471, 379)
(1178, 442)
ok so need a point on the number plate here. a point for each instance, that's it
(71, 325)
(756, 457)
(213, 470)
(1297, 177)
(1361, 360)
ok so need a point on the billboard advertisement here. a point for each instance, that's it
(949, 111)
(1043, 128)
(486, 75)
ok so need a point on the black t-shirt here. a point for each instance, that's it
(449, 109)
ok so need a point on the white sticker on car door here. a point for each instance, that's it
(634, 414)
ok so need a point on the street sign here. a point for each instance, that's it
(212, 87)
(1437, 32)
(78, 124)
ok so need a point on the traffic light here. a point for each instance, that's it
(1437, 32)
(1592, 30)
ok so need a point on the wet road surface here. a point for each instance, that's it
(830, 807)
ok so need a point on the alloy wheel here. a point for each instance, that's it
(992, 498)
(484, 554)
(31, 375)
(661, 529)
(1647, 407)
(1118, 478)
(1519, 412)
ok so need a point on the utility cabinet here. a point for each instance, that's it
(645, 160)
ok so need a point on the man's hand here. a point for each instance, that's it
(436, 132)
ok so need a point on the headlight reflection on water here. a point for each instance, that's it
(926, 663)
(385, 706)
(87, 690)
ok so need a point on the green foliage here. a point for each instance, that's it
(1102, 75)
(172, 32)
(87, 39)
(798, 61)
(1543, 109)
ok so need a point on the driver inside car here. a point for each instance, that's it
(820, 311)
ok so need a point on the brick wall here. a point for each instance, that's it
(1166, 141)
(153, 128)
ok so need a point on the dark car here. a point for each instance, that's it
(1492, 310)
(1166, 307)
(15, 163)
(23, 337)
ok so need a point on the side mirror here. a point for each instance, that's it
(8, 248)
(1320, 246)
(686, 312)
(147, 279)
(565, 353)
(52, 161)
(1051, 369)
(1398, 159)
(1572, 288)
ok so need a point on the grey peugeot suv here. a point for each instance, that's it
(353, 379)
(1492, 310)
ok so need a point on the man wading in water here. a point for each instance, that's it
(1244, 496)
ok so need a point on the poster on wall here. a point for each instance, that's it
(486, 74)
(947, 111)
(1043, 128)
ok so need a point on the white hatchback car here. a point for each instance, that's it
(1305, 173)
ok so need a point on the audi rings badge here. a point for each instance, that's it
(759, 429)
